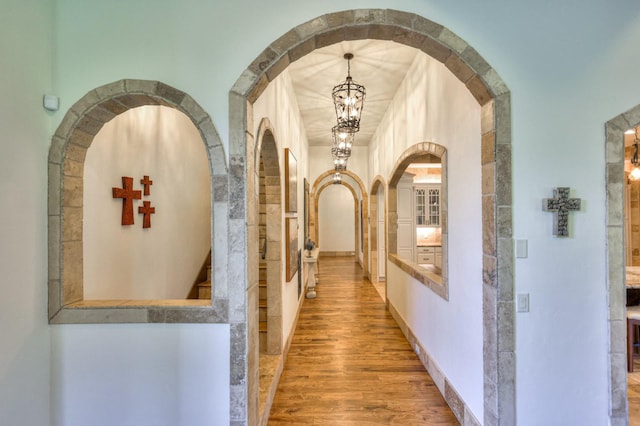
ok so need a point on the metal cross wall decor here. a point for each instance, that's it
(561, 205)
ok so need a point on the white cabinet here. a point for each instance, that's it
(427, 205)
(406, 231)
(430, 255)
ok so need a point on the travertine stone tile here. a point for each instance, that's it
(490, 332)
(66, 125)
(100, 114)
(479, 90)
(495, 84)
(72, 224)
(454, 401)
(616, 262)
(381, 32)
(279, 65)
(169, 93)
(330, 37)
(632, 117)
(436, 49)
(263, 61)
(258, 88)
(114, 105)
(619, 383)
(399, 18)
(54, 202)
(78, 137)
(469, 418)
(55, 297)
(285, 42)
(452, 41)
(220, 188)
(307, 45)
(243, 84)
(459, 68)
(507, 404)
(369, 15)
(274, 336)
(110, 90)
(503, 188)
(489, 271)
(618, 338)
(76, 153)
(73, 168)
(72, 271)
(55, 151)
(487, 123)
(340, 19)
(502, 115)
(615, 204)
(505, 269)
(72, 192)
(89, 125)
(312, 27)
(476, 62)
(488, 176)
(506, 332)
(357, 32)
(490, 402)
(86, 103)
(54, 245)
(239, 347)
(238, 408)
(426, 26)
(237, 187)
(488, 149)
(191, 108)
(488, 225)
(140, 86)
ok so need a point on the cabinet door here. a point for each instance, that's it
(433, 203)
(420, 204)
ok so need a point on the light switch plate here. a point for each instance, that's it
(523, 302)
(522, 251)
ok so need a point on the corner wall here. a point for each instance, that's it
(26, 34)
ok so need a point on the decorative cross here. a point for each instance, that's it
(147, 211)
(146, 182)
(561, 205)
(128, 195)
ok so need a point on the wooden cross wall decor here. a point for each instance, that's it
(560, 205)
(128, 195)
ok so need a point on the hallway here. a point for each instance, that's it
(349, 363)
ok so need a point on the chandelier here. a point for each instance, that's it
(343, 140)
(339, 160)
(348, 99)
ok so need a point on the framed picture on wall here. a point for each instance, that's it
(291, 230)
(291, 185)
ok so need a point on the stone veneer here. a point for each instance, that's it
(616, 280)
(321, 182)
(66, 169)
(492, 94)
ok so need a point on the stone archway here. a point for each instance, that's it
(616, 261)
(356, 210)
(270, 229)
(374, 242)
(66, 168)
(313, 196)
(484, 83)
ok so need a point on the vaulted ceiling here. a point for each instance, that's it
(378, 65)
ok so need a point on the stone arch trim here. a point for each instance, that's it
(616, 263)
(440, 285)
(356, 208)
(66, 167)
(378, 182)
(313, 220)
(495, 99)
(267, 151)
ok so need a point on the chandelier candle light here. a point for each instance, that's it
(348, 99)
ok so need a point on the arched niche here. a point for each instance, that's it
(492, 94)
(356, 210)
(414, 154)
(66, 169)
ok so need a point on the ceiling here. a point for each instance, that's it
(377, 64)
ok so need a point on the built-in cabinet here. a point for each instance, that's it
(427, 205)
(430, 255)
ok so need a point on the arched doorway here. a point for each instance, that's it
(616, 260)
(486, 86)
(377, 230)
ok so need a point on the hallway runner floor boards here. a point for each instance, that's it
(349, 363)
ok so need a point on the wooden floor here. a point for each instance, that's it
(349, 363)
(633, 393)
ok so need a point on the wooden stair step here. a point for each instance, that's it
(263, 326)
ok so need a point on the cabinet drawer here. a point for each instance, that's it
(426, 258)
(426, 250)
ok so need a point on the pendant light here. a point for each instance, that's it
(343, 140)
(348, 99)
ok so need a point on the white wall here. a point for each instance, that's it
(161, 262)
(140, 374)
(566, 82)
(279, 105)
(456, 343)
(26, 34)
(336, 221)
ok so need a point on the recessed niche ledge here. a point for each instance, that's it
(429, 277)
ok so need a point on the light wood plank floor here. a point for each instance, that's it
(349, 363)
